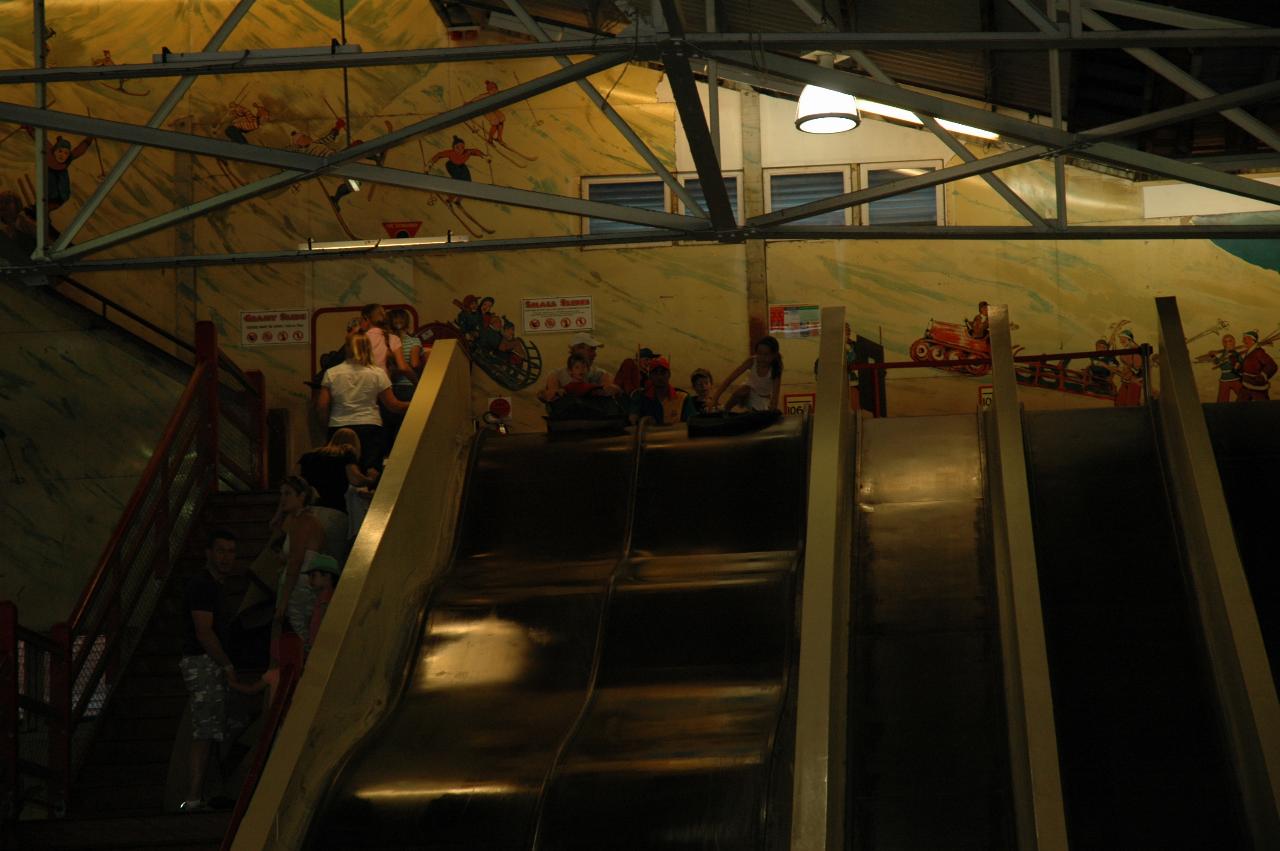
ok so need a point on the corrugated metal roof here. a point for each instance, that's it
(1102, 86)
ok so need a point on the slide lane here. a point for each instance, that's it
(1142, 750)
(607, 662)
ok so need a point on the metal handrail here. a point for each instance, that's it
(83, 651)
(224, 362)
(140, 493)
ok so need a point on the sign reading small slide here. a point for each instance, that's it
(556, 313)
(274, 327)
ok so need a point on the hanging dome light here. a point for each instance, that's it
(824, 111)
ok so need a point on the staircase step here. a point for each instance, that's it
(141, 685)
(116, 729)
(96, 776)
(152, 707)
(112, 752)
(160, 832)
(118, 798)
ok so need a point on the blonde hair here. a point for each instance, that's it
(357, 348)
(343, 442)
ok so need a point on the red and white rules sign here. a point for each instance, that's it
(274, 327)
(556, 313)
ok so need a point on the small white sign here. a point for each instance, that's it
(274, 327)
(556, 313)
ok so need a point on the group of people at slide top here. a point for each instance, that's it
(643, 388)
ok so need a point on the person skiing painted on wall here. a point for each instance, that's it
(1228, 361)
(455, 161)
(58, 157)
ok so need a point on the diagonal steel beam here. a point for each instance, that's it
(689, 105)
(162, 112)
(1090, 144)
(959, 149)
(1187, 83)
(677, 188)
(898, 187)
(295, 256)
(1161, 14)
(811, 11)
(247, 62)
(299, 166)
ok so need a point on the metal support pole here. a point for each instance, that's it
(713, 84)
(685, 90)
(677, 188)
(163, 111)
(959, 149)
(1055, 100)
(41, 101)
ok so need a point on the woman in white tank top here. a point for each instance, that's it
(764, 379)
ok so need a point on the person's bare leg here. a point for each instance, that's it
(198, 763)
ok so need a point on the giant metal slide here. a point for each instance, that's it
(607, 662)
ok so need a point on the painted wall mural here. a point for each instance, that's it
(687, 301)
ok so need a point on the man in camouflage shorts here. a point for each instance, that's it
(205, 666)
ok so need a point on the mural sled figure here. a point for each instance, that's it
(490, 340)
(953, 341)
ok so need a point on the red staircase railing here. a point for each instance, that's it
(51, 688)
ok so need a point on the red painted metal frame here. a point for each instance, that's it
(95, 626)
(322, 311)
(879, 368)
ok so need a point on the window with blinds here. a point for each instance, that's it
(793, 190)
(919, 207)
(694, 185)
(641, 194)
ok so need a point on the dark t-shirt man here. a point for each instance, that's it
(204, 594)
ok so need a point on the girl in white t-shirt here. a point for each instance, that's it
(764, 379)
(349, 396)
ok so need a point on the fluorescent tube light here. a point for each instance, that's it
(375, 244)
(354, 184)
(900, 114)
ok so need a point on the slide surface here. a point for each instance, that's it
(607, 663)
(1143, 754)
(928, 750)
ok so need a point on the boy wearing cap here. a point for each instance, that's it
(660, 400)
(322, 575)
(1257, 368)
(586, 345)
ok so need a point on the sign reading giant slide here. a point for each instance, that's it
(274, 327)
(556, 313)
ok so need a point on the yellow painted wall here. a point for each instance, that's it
(687, 301)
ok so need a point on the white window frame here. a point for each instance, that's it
(584, 226)
(685, 176)
(864, 181)
(845, 169)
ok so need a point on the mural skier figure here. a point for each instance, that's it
(1256, 370)
(245, 121)
(1228, 362)
(497, 125)
(455, 162)
(58, 157)
(318, 146)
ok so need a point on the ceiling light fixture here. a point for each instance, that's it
(823, 110)
(380, 244)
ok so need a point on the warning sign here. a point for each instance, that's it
(274, 327)
(557, 313)
(795, 320)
